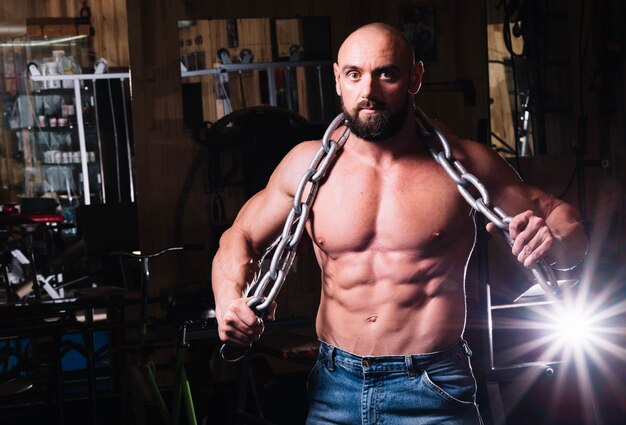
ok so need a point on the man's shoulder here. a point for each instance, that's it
(295, 163)
(302, 153)
(306, 147)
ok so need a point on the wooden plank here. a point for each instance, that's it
(501, 112)
(303, 94)
(110, 23)
(214, 31)
(255, 34)
(35, 29)
(288, 33)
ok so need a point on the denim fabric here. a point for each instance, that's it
(434, 388)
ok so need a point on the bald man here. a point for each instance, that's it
(392, 236)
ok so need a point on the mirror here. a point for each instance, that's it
(509, 92)
(233, 64)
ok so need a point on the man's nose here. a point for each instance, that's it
(369, 87)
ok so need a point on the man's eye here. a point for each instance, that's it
(387, 75)
(353, 75)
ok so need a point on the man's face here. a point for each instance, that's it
(373, 76)
(379, 125)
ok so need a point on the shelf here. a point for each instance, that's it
(57, 129)
(66, 164)
(62, 91)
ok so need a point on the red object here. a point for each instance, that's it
(30, 218)
(9, 208)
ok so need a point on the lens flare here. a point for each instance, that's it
(573, 327)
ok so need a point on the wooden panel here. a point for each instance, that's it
(108, 20)
(288, 33)
(255, 34)
(111, 31)
(59, 8)
(209, 36)
(455, 51)
(41, 29)
(501, 114)
(214, 37)
(303, 94)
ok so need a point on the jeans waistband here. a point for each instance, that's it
(412, 364)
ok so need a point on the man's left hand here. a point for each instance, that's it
(532, 237)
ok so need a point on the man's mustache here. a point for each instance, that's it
(371, 103)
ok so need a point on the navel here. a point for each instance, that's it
(372, 319)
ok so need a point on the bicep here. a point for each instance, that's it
(262, 217)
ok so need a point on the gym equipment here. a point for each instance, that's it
(141, 374)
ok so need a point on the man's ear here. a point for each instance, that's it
(416, 77)
(337, 77)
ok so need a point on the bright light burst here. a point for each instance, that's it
(584, 330)
(574, 328)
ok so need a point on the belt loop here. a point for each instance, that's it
(410, 366)
(468, 352)
(330, 360)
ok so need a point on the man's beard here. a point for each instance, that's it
(379, 126)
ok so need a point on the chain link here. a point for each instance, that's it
(284, 247)
(542, 272)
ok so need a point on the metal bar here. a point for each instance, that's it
(271, 85)
(235, 67)
(187, 397)
(81, 142)
(128, 155)
(288, 93)
(321, 88)
(77, 77)
(99, 139)
(490, 355)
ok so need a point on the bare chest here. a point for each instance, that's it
(410, 209)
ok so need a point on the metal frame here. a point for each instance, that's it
(122, 76)
(271, 79)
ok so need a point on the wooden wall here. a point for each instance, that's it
(201, 39)
(164, 151)
(108, 21)
(461, 55)
(144, 35)
(583, 83)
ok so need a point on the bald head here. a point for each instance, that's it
(393, 37)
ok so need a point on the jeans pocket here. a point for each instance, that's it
(455, 384)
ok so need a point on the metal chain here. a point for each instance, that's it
(284, 247)
(542, 272)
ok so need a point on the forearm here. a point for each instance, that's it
(233, 268)
(571, 241)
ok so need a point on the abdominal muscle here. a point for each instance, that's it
(404, 306)
(392, 244)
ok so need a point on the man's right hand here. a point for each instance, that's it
(238, 325)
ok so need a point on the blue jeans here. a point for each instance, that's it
(434, 388)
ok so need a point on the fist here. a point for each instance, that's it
(239, 325)
(532, 238)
